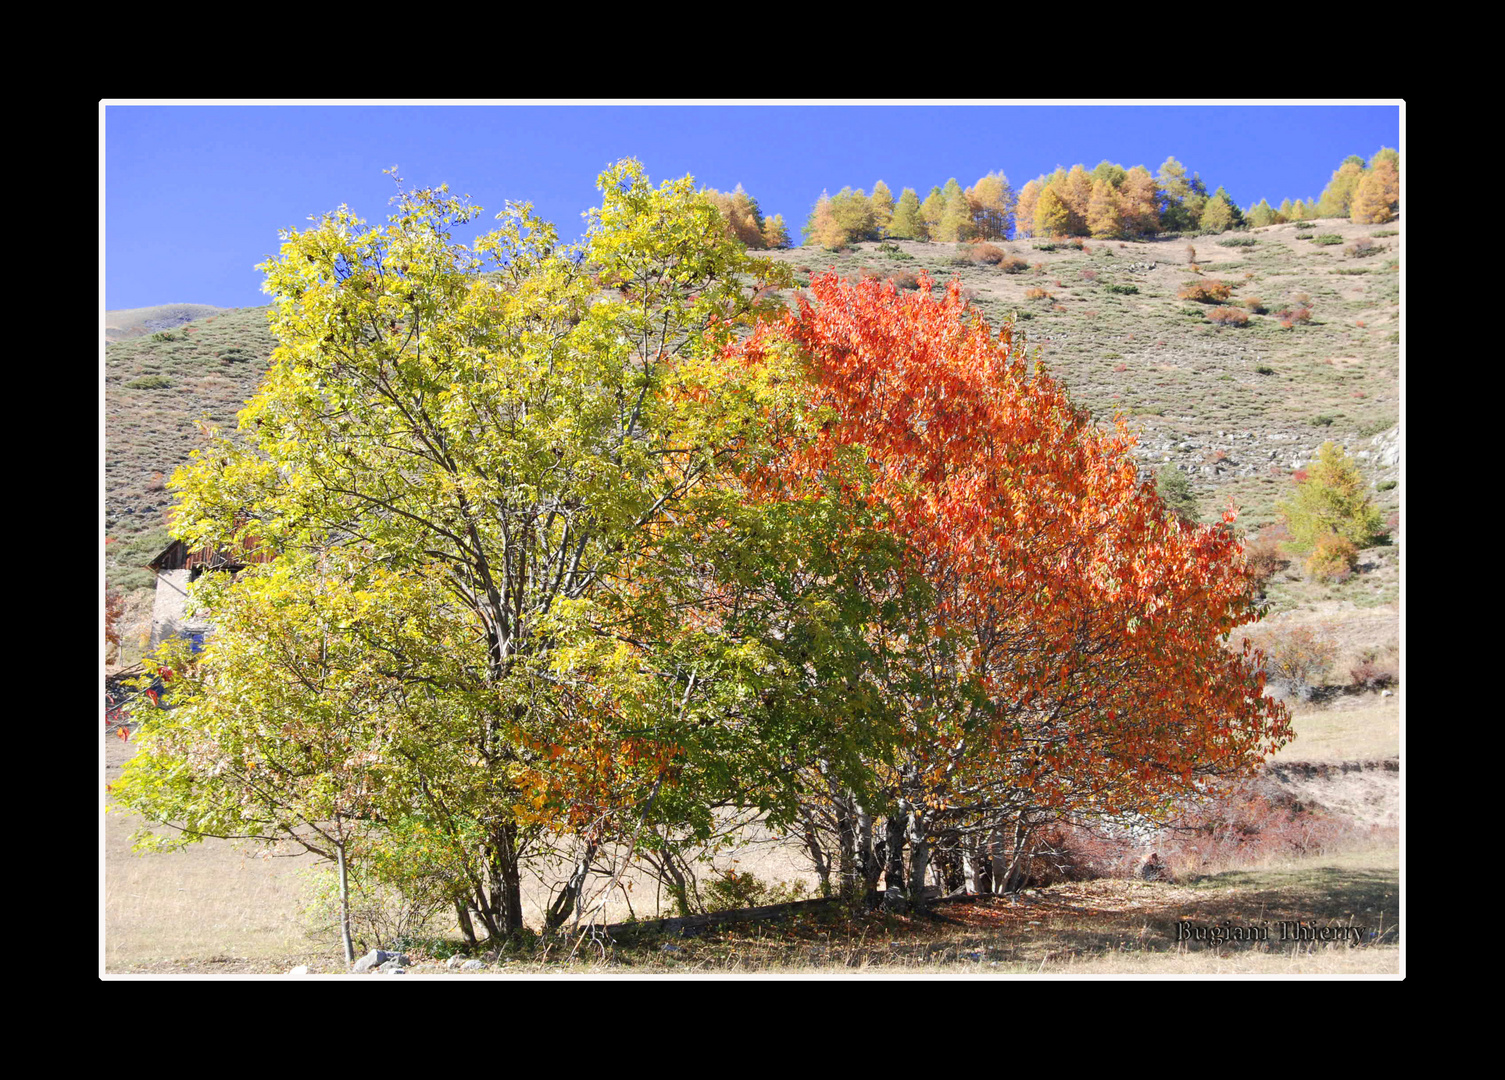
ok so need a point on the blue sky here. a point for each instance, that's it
(193, 195)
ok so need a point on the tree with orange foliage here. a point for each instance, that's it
(1076, 661)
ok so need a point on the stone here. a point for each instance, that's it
(301, 969)
(372, 960)
(472, 965)
(895, 901)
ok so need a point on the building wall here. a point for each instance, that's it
(169, 610)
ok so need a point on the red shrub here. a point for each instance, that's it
(1210, 291)
(1228, 316)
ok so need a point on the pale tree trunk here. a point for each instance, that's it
(919, 856)
(846, 834)
(344, 897)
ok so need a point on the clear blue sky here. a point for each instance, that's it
(193, 195)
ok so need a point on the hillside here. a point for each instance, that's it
(1237, 409)
(135, 322)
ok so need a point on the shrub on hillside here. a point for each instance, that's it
(1372, 672)
(1327, 239)
(988, 254)
(1264, 557)
(1175, 491)
(1293, 315)
(1246, 822)
(1228, 316)
(149, 382)
(1210, 291)
(1333, 559)
(1036, 294)
(1297, 659)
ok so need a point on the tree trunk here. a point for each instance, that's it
(846, 833)
(893, 871)
(568, 899)
(817, 853)
(466, 926)
(919, 857)
(508, 880)
(869, 866)
(344, 900)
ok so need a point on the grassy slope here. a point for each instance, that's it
(134, 322)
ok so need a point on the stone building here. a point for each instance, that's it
(179, 565)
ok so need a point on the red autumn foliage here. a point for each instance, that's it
(1086, 621)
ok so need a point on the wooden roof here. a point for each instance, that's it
(178, 556)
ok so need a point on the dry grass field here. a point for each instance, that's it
(217, 909)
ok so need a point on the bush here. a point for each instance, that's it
(988, 254)
(1386, 232)
(149, 382)
(1305, 225)
(1334, 558)
(906, 280)
(1372, 673)
(391, 906)
(1301, 315)
(1205, 292)
(1360, 249)
(1298, 659)
(731, 891)
(1175, 491)
(1327, 239)
(1249, 822)
(1256, 306)
(166, 335)
(1036, 294)
(1126, 290)
(1013, 264)
(1263, 555)
(1238, 242)
(1228, 316)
